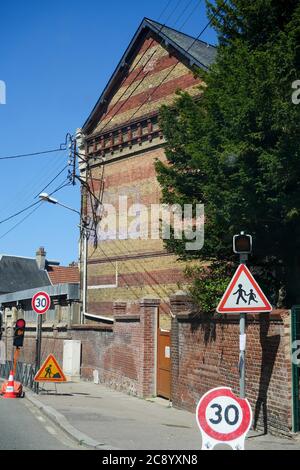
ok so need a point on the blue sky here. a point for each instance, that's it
(55, 58)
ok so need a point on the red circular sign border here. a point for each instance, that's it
(217, 435)
(42, 312)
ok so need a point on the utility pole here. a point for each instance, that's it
(80, 144)
(84, 236)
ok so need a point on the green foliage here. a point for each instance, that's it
(209, 284)
(237, 148)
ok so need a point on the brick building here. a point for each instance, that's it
(122, 140)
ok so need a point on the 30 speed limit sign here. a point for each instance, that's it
(223, 418)
(41, 302)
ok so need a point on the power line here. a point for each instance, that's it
(198, 3)
(188, 5)
(21, 221)
(53, 179)
(173, 11)
(173, 68)
(61, 186)
(165, 9)
(26, 193)
(30, 206)
(43, 152)
(31, 154)
(18, 213)
(142, 69)
(38, 204)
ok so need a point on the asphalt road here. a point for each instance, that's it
(23, 427)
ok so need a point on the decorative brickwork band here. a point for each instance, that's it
(119, 308)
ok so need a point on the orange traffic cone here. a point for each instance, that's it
(10, 393)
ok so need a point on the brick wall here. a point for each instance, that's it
(205, 355)
(124, 355)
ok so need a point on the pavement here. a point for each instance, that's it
(100, 418)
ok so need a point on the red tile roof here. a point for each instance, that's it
(63, 274)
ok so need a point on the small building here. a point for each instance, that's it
(20, 279)
(21, 273)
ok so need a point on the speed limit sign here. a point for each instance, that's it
(41, 302)
(223, 418)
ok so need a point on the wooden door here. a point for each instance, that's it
(163, 364)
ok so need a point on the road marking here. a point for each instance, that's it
(50, 430)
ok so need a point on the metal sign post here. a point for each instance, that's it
(242, 245)
(243, 260)
(41, 302)
(242, 354)
(38, 348)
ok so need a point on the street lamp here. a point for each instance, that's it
(84, 226)
(45, 197)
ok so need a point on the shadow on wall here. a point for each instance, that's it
(205, 323)
(269, 347)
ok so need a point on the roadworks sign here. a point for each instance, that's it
(50, 371)
(243, 295)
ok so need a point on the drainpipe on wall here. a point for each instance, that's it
(84, 286)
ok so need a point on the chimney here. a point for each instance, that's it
(41, 258)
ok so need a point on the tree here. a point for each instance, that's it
(237, 148)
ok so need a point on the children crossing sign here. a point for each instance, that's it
(50, 371)
(243, 295)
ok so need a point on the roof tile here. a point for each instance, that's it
(63, 274)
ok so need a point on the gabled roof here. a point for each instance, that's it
(199, 52)
(63, 274)
(196, 52)
(17, 273)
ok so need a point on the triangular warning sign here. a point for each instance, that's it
(243, 295)
(50, 371)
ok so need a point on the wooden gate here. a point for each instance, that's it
(163, 362)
